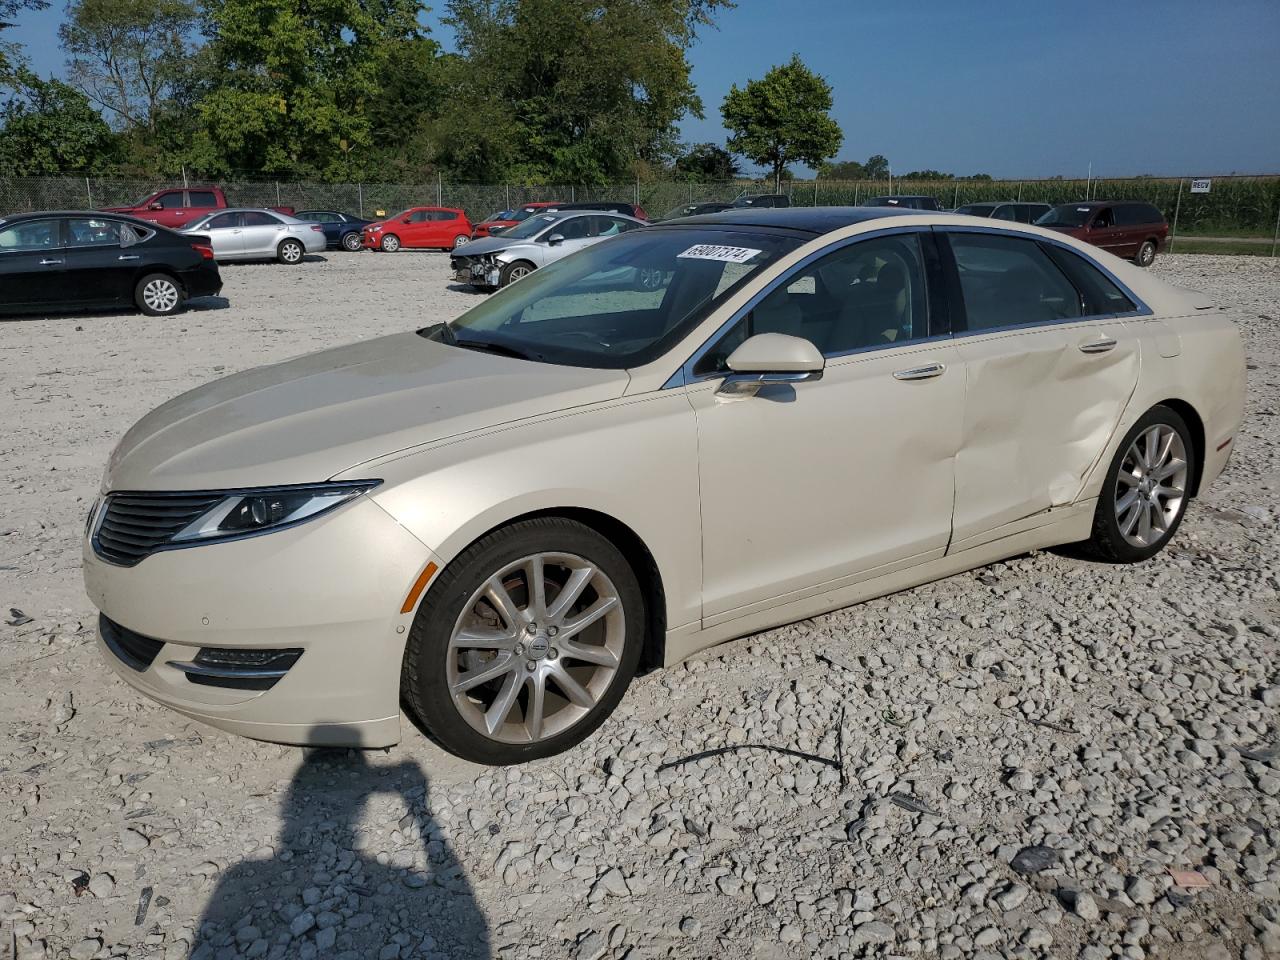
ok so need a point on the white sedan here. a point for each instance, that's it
(497, 519)
(257, 234)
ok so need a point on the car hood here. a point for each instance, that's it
(477, 248)
(311, 418)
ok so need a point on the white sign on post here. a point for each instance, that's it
(1201, 186)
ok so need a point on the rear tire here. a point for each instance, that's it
(351, 242)
(511, 272)
(523, 644)
(290, 252)
(1146, 254)
(159, 295)
(1145, 493)
(390, 243)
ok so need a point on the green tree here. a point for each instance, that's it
(876, 167)
(575, 91)
(706, 163)
(129, 56)
(49, 127)
(842, 170)
(927, 175)
(296, 81)
(782, 118)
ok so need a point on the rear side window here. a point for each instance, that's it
(88, 232)
(1131, 214)
(1100, 294)
(442, 215)
(202, 198)
(256, 218)
(1010, 282)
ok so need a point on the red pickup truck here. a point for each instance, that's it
(178, 207)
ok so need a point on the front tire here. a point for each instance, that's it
(1144, 496)
(390, 243)
(461, 240)
(159, 295)
(511, 272)
(1146, 254)
(290, 252)
(525, 643)
(351, 242)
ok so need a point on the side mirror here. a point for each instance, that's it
(770, 358)
(555, 239)
(406, 220)
(155, 205)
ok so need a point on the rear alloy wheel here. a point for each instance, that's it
(291, 252)
(158, 295)
(390, 243)
(461, 240)
(1145, 493)
(1146, 254)
(525, 643)
(511, 272)
(351, 242)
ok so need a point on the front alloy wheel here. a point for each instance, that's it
(525, 643)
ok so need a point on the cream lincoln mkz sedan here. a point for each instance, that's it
(496, 520)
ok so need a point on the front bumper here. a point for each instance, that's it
(332, 588)
(477, 272)
(371, 241)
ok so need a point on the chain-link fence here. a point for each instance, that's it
(1235, 205)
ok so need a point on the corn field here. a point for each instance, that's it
(1235, 204)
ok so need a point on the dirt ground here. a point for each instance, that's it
(1120, 717)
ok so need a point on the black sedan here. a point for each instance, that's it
(85, 259)
(341, 230)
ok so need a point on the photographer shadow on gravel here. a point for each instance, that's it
(324, 894)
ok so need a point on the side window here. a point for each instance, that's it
(256, 218)
(575, 228)
(1010, 282)
(419, 216)
(1100, 294)
(87, 232)
(1006, 211)
(30, 235)
(202, 198)
(170, 201)
(868, 294)
(222, 221)
(1104, 218)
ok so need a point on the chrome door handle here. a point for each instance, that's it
(49, 263)
(928, 371)
(132, 256)
(1098, 346)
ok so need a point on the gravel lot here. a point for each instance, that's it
(1007, 763)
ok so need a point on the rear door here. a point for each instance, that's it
(99, 268)
(262, 232)
(1048, 375)
(32, 264)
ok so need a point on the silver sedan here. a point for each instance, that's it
(257, 234)
(544, 238)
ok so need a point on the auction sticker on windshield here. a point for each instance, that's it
(712, 251)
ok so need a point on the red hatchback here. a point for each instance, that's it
(506, 219)
(441, 227)
(1135, 231)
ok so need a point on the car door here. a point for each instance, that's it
(225, 235)
(32, 263)
(811, 486)
(1048, 375)
(574, 233)
(1103, 231)
(261, 233)
(99, 267)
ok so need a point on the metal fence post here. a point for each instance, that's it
(955, 201)
(439, 189)
(1019, 189)
(1177, 208)
(1276, 235)
(277, 193)
(360, 199)
(89, 191)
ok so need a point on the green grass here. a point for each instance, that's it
(1225, 249)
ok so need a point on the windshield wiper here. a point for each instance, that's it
(446, 333)
(488, 346)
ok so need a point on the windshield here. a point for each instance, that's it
(500, 215)
(975, 210)
(1067, 215)
(532, 227)
(525, 213)
(619, 303)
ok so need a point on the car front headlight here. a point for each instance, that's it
(244, 513)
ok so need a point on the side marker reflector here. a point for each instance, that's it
(419, 585)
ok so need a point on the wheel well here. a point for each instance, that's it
(1188, 413)
(642, 563)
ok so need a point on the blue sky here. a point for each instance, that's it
(1014, 88)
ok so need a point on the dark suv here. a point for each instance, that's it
(1135, 231)
(763, 200)
(909, 202)
(1006, 210)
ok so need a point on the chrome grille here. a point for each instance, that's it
(135, 525)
